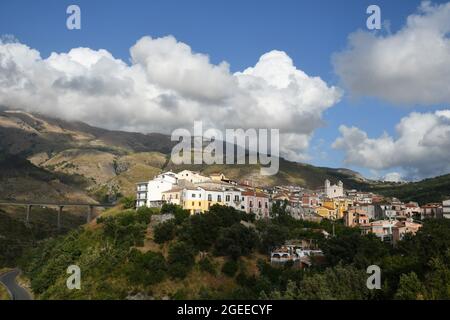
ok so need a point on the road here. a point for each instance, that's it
(17, 292)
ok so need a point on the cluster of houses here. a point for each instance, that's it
(300, 253)
(388, 219)
(197, 193)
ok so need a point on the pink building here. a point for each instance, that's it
(355, 217)
(257, 203)
(403, 227)
(310, 200)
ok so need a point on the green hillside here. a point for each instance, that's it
(216, 256)
(425, 191)
(17, 236)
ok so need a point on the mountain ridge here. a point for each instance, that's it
(107, 163)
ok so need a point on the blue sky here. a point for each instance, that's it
(238, 32)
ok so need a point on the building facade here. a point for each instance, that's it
(446, 209)
(335, 190)
(150, 193)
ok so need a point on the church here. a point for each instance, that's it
(334, 191)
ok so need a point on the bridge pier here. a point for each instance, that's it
(59, 217)
(27, 219)
(28, 205)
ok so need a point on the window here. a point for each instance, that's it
(259, 204)
(242, 199)
(209, 197)
(176, 196)
(193, 195)
(266, 205)
(227, 198)
(193, 203)
(251, 204)
(199, 204)
(236, 198)
(219, 198)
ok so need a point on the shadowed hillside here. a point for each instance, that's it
(107, 164)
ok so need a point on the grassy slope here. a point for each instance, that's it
(19, 179)
(4, 295)
(104, 268)
(425, 191)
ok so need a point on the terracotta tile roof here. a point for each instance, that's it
(253, 193)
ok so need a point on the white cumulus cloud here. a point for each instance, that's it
(393, 177)
(409, 67)
(166, 86)
(421, 147)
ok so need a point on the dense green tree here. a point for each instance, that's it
(181, 259)
(410, 288)
(236, 241)
(127, 228)
(164, 231)
(438, 280)
(272, 235)
(146, 268)
(353, 248)
(337, 283)
(128, 202)
(200, 230)
(230, 267)
(179, 213)
(205, 264)
(278, 208)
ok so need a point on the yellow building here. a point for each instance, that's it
(326, 212)
(338, 205)
(217, 177)
(342, 206)
(199, 200)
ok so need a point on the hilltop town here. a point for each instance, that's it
(387, 218)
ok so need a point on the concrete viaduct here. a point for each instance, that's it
(60, 205)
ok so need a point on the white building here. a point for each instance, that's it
(446, 208)
(334, 191)
(150, 193)
(192, 177)
(233, 198)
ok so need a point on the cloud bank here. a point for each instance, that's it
(421, 148)
(166, 86)
(409, 67)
